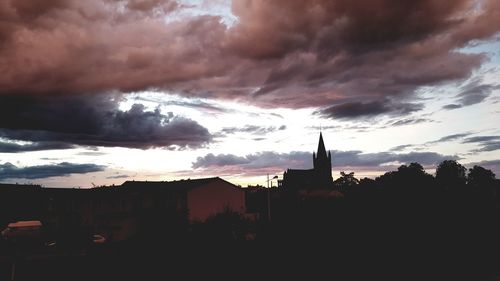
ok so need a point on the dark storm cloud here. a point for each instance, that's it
(354, 110)
(10, 147)
(95, 121)
(10, 171)
(293, 53)
(303, 160)
(253, 129)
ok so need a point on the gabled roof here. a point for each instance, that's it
(173, 185)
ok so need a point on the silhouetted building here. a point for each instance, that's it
(319, 177)
(199, 198)
(118, 211)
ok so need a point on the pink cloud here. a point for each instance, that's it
(291, 53)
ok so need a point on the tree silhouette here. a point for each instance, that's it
(450, 174)
(480, 177)
(482, 181)
(345, 181)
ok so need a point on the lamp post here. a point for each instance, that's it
(269, 197)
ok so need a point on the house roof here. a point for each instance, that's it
(174, 185)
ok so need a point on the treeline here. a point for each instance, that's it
(450, 177)
(406, 221)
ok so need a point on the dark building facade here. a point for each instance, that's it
(319, 177)
(118, 212)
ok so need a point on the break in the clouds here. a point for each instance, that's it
(60, 122)
(10, 171)
(255, 163)
(349, 55)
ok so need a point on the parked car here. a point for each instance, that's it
(27, 235)
(22, 230)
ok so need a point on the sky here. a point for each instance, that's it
(98, 92)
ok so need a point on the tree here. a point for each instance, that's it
(450, 174)
(481, 180)
(480, 177)
(346, 181)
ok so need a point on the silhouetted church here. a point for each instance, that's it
(319, 177)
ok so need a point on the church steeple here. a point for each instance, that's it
(319, 177)
(321, 147)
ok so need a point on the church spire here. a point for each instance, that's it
(321, 147)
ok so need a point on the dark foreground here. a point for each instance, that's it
(351, 245)
(256, 262)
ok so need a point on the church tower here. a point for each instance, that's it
(319, 177)
(322, 162)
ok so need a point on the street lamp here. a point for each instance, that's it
(269, 196)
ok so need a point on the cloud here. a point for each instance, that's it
(486, 143)
(452, 106)
(493, 165)
(481, 139)
(219, 160)
(178, 101)
(409, 121)
(472, 93)
(359, 159)
(343, 54)
(475, 94)
(10, 147)
(354, 110)
(253, 129)
(490, 146)
(94, 121)
(118, 177)
(401, 147)
(452, 137)
(253, 164)
(10, 171)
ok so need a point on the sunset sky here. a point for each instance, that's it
(103, 91)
